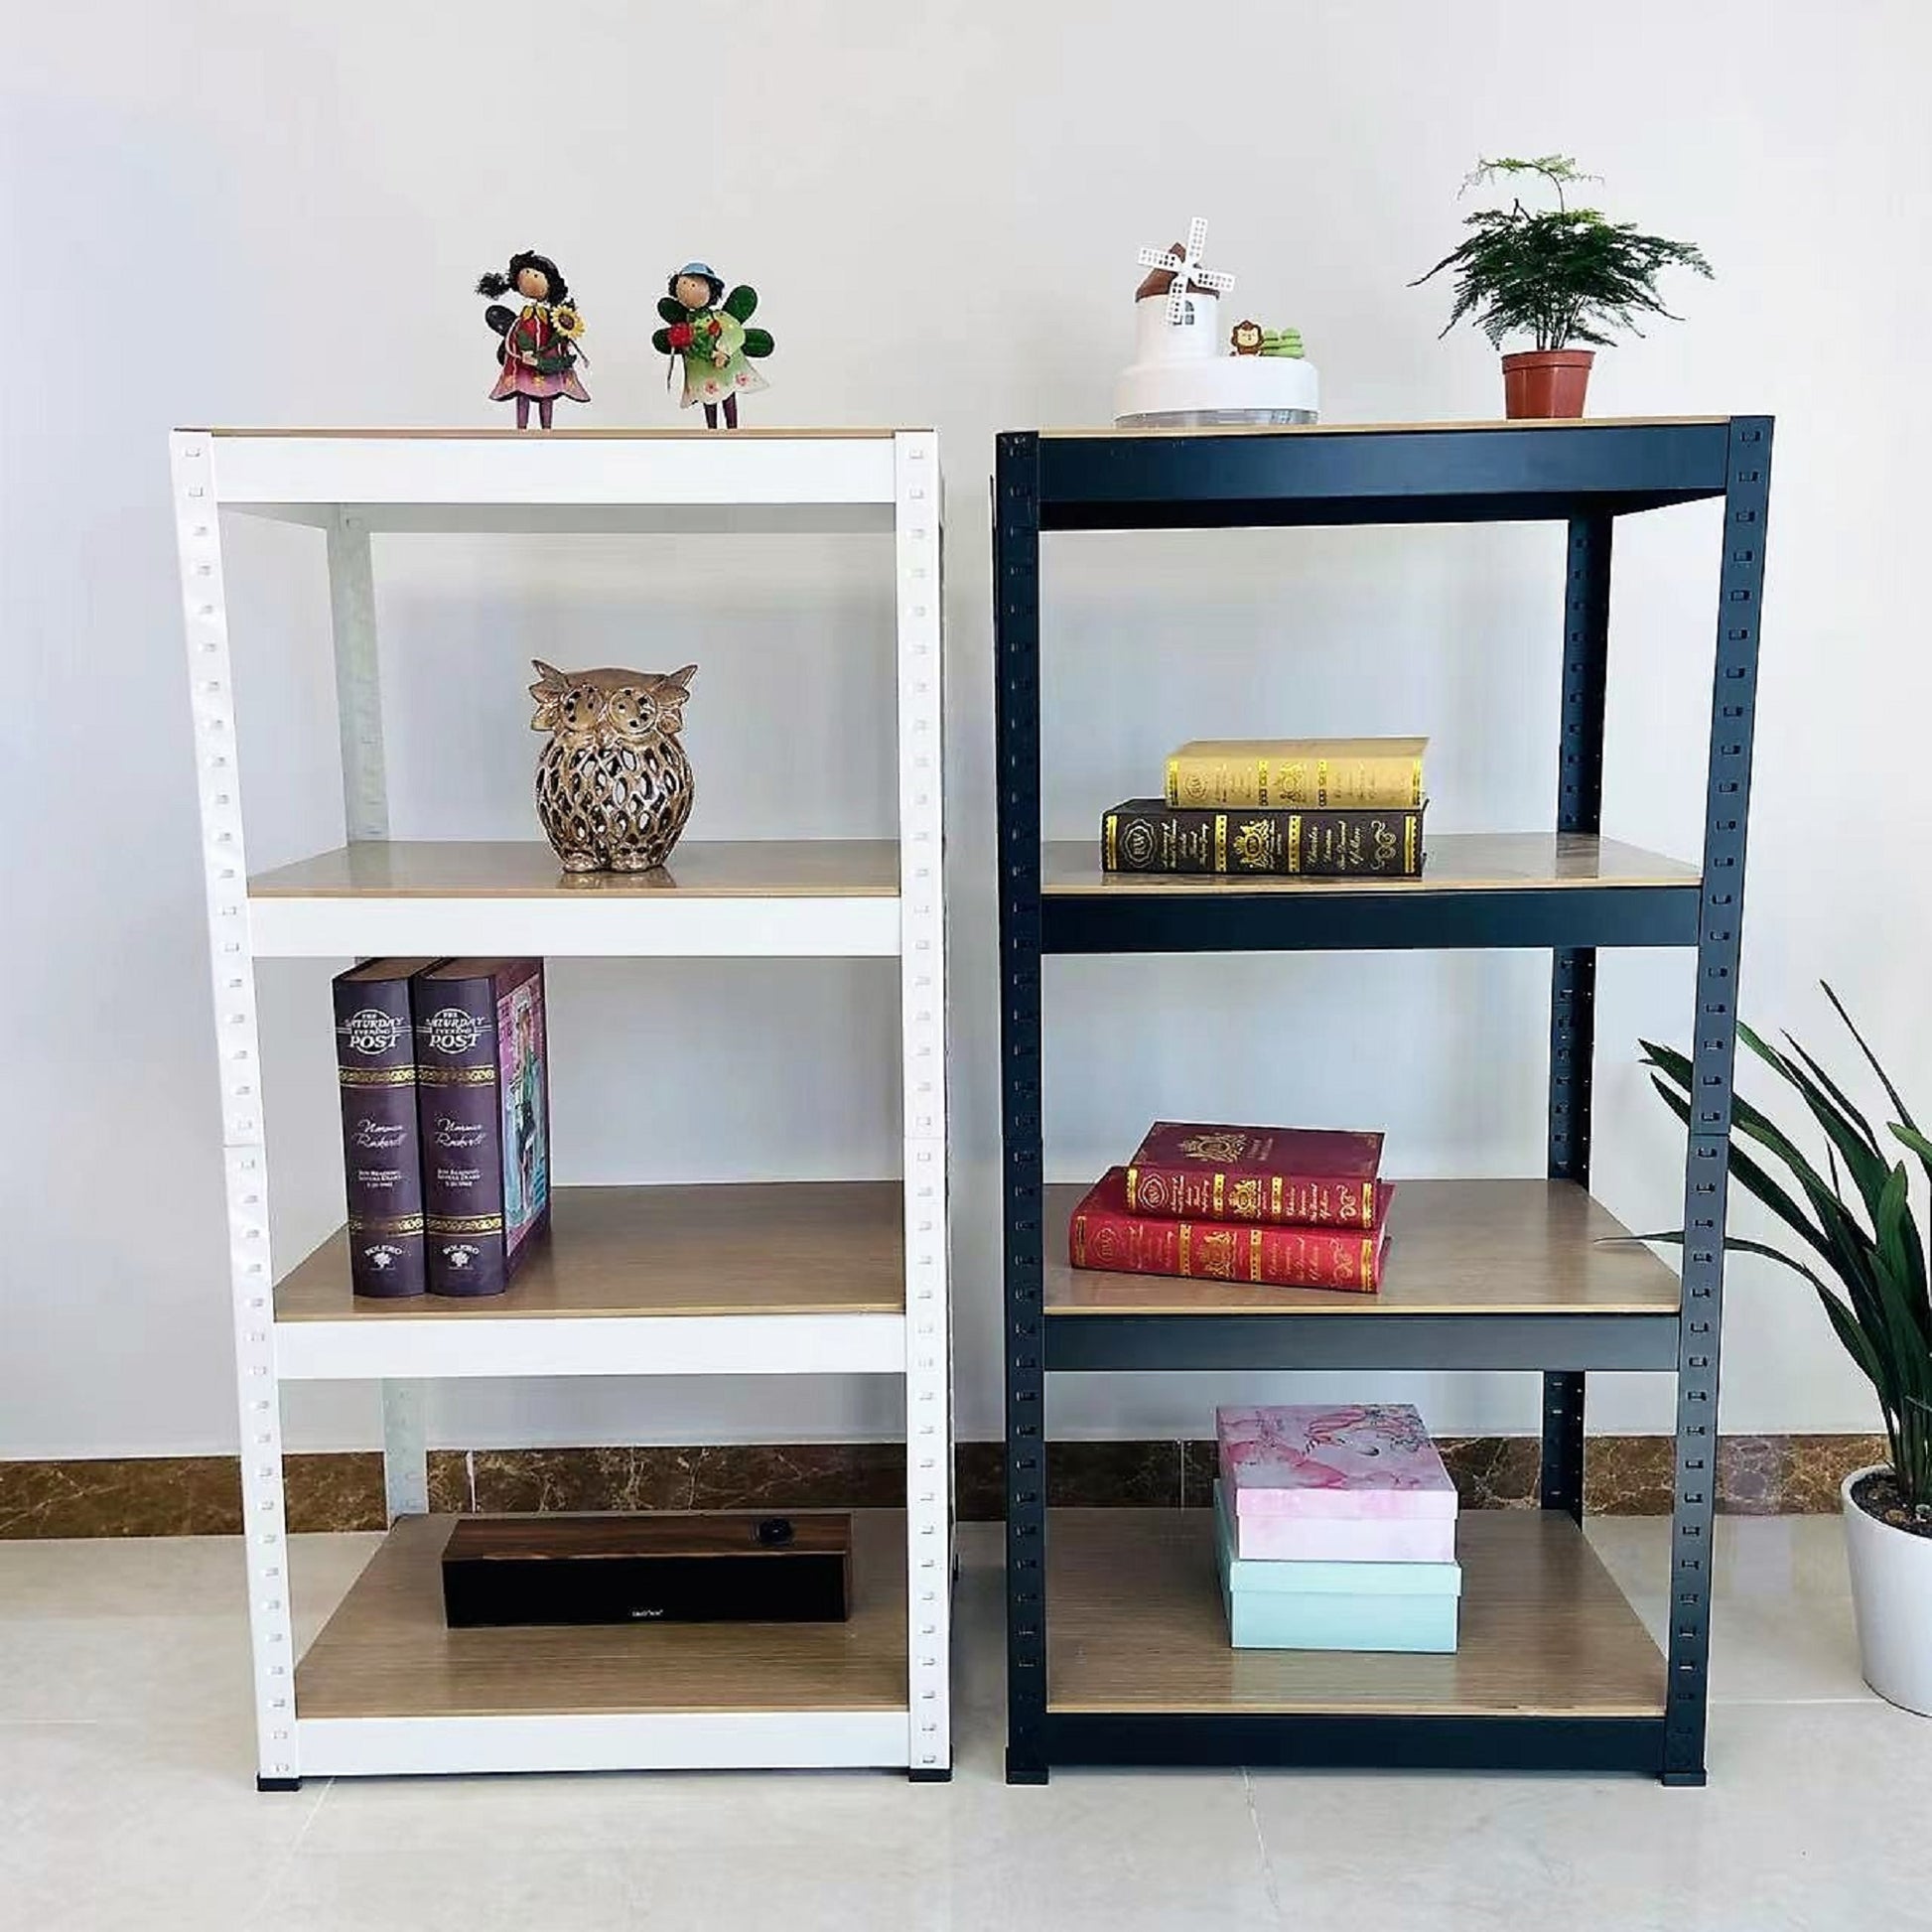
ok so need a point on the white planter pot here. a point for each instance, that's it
(1891, 1596)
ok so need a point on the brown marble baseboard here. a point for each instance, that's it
(200, 1495)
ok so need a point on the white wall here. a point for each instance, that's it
(218, 211)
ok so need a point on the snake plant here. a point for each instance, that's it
(1857, 1239)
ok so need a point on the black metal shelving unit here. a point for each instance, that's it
(1554, 1671)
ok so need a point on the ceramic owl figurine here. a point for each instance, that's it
(613, 785)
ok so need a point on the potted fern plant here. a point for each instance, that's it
(1856, 1238)
(1564, 277)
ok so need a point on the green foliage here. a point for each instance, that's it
(742, 303)
(1864, 1255)
(1559, 275)
(670, 308)
(758, 341)
(661, 340)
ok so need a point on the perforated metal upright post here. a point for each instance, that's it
(923, 1018)
(1015, 627)
(1741, 587)
(1573, 974)
(197, 533)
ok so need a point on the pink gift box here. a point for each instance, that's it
(1387, 1539)
(1333, 1463)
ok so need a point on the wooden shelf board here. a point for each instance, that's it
(1384, 429)
(444, 435)
(525, 869)
(386, 1652)
(781, 1247)
(1134, 1624)
(1456, 1247)
(1457, 862)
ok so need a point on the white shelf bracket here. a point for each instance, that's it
(358, 677)
(198, 530)
(405, 1451)
(917, 518)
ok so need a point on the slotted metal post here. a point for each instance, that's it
(918, 514)
(1741, 588)
(198, 533)
(1016, 626)
(1572, 973)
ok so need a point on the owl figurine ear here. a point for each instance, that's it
(671, 694)
(547, 691)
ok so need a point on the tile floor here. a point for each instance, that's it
(126, 1799)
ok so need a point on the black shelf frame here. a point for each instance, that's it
(1584, 475)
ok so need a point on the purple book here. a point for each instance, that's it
(375, 1071)
(1332, 1461)
(485, 1106)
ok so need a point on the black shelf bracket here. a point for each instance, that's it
(1573, 969)
(1015, 590)
(1734, 700)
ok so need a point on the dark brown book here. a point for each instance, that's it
(744, 1568)
(1148, 835)
(483, 1103)
(382, 1166)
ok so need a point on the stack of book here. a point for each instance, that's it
(1288, 1206)
(446, 1121)
(1335, 1528)
(1314, 807)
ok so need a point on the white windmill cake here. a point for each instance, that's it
(1190, 370)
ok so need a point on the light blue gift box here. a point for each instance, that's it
(1334, 1605)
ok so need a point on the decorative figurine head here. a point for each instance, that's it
(603, 709)
(1246, 338)
(697, 285)
(537, 278)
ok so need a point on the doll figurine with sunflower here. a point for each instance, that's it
(540, 346)
(705, 329)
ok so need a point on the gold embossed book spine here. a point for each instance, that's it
(375, 1074)
(484, 1104)
(1145, 835)
(1107, 1233)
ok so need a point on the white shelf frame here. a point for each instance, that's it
(650, 925)
(349, 485)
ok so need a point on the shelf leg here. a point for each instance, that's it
(1016, 541)
(198, 531)
(359, 678)
(405, 1452)
(1563, 1441)
(1573, 971)
(1740, 590)
(917, 509)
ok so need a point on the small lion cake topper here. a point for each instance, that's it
(542, 342)
(705, 335)
(613, 785)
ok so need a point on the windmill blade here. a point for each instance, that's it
(1211, 278)
(1196, 238)
(1178, 302)
(1159, 258)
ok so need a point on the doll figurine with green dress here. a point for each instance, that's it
(705, 331)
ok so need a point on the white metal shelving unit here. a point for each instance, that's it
(784, 1277)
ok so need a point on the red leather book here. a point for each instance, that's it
(1107, 1234)
(1310, 1175)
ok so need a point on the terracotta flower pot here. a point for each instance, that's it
(1546, 381)
(1892, 1599)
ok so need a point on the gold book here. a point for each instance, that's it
(1304, 774)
